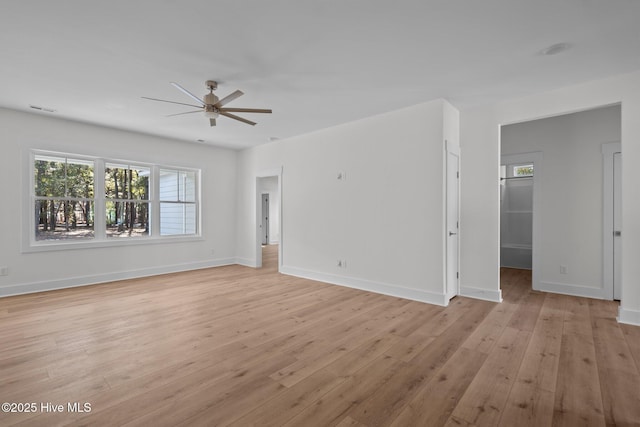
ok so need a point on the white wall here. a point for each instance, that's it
(30, 272)
(270, 185)
(386, 219)
(480, 129)
(571, 194)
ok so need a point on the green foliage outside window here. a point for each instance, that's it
(524, 170)
(64, 194)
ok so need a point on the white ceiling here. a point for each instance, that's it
(316, 63)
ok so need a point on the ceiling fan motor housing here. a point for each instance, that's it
(210, 99)
(209, 110)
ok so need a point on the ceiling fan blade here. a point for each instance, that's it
(247, 110)
(187, 112)
(233, 116)
(213, 122)
(186, 92)
(171, 102)
(229, 98)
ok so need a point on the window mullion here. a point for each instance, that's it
(154, 200)
(100, 223)
(73, 174)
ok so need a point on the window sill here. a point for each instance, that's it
(45, 246)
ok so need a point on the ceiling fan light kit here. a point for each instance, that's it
(213, 106)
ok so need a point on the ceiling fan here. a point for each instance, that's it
(212, 106)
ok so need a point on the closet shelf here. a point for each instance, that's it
(518, 212)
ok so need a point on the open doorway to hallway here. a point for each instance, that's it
(268, 220)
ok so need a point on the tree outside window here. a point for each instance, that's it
(64, 198)
(70, 204)
(523, 170)
(126, 200)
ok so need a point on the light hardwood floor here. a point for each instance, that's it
(243, 347)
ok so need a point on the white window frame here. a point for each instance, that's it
(65, 197)
(148, 201)
(100, 239)
(184, 203)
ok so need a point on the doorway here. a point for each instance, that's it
(268, 219)
(516, 215)
(519, 212)
(567, 241)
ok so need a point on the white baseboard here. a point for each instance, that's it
(569, 289)
(71, 282)
(368, 285)
(483, 294)
(247, 262)
(630, 317)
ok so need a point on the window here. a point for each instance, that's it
(63, 198)
(90, 201)
(523, 170)
(177, 202)
(126, 190)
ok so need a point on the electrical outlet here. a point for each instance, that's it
(4, 270)
(563, 269)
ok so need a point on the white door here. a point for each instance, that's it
(452, 238)
(617, 225)
(265, 219)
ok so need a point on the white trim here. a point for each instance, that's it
(55, 245)
(368, 285)
(482, 294)
(572, 289)
(630, 317)
(536, 234)
(453, 149)
(72, 282)
(247, 262)
(608, 150)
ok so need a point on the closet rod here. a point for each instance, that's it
(517, 177)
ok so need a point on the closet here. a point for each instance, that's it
(516, 212)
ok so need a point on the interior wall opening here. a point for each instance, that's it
(516, 215)
(552, 215)
(268, 221)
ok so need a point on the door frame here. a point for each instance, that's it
(534, 158)
(608, 150)
(267, 173)
(454, 150)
